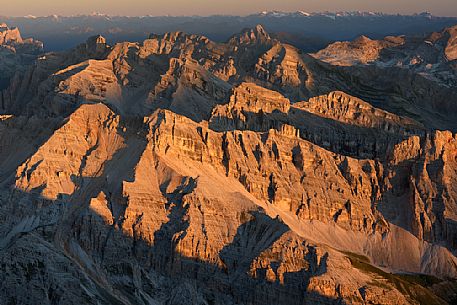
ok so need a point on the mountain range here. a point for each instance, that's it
(185, 170)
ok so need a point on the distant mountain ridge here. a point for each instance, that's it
(312, 31)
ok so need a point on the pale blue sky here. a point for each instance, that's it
(207, 7)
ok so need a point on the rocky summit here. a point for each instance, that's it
(180, 170)
(15, 52)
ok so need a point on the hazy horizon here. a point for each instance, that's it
(223, 7)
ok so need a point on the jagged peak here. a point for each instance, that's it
(9, 35)
(361, 40)
(259, 29)
(97, 39)
(257, 34)
(96, 44)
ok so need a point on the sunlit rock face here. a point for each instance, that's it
(184, 171)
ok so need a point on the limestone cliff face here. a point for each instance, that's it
(181, 171)
(280, 168)
(282, 67)
(16, 55)
(77, 149)
(430, 186)
(247, 104)
(9, 36)
(191, 201)
(344, 108)
(450, 51)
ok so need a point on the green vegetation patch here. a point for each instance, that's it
(413, 286)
